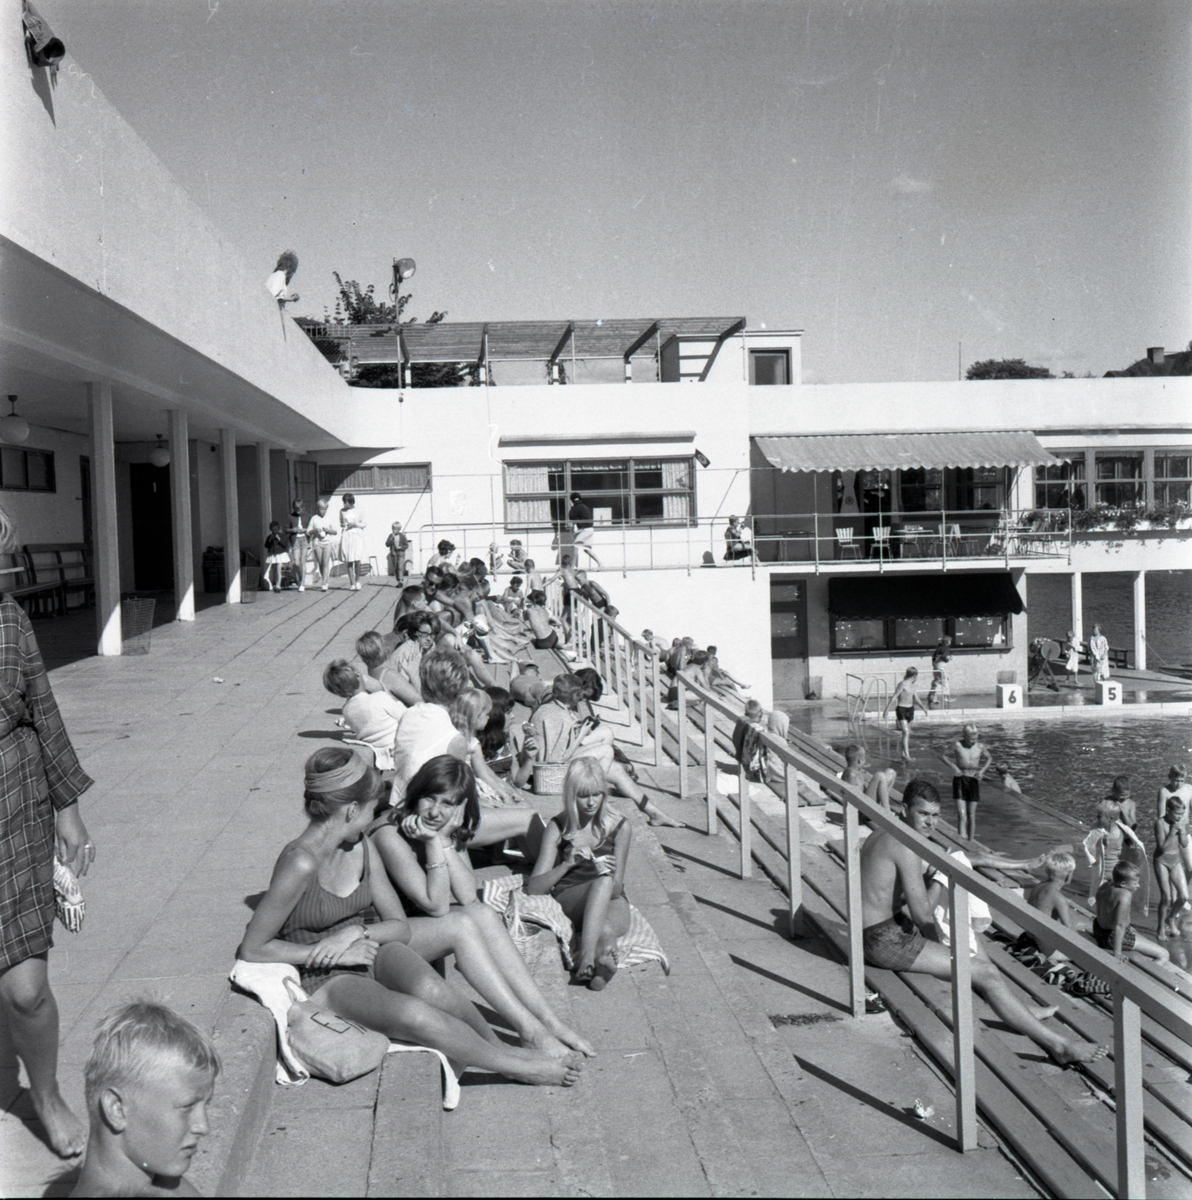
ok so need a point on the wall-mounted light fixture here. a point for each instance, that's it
(12, 427)
(159, 456)
(45, 50)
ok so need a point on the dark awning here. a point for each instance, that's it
(895, 451)
(956, 594)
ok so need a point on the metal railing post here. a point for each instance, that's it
(852, 890)
(964, 1069)
(656, 672)
(682, 721)
(746, 820)
(641, 697)
(710, 770)
(1127, 1095)
(794, 853)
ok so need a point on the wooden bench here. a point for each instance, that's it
(17, 579)
(67, 564)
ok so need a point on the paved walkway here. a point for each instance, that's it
(738, 1074)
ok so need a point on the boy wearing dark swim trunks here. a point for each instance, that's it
(971, 759)
(904, 700)
(1112, 930)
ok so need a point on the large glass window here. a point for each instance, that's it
(26, 470)
(1119, 478)
(1061, 485)
(628, 491)
(1173, 478)
(921, 489)
(918, 635)
(973, 489)
(392, 477)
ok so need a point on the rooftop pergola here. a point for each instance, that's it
(550, 342)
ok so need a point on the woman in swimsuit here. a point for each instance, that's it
(325, 885)
(423, 846)
(582, 865)
(904, 700)
(1171, 839)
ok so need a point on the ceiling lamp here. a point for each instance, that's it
(12, 427)
(159, 456)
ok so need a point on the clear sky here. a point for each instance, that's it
(893, 178)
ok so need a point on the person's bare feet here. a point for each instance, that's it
(540, 1071)
(1082, 1052)
(656, 816)
(570, 1038)
(539, 1039)
(1043, 1013)
(583, 971)
(606, 968)
(64, 1130)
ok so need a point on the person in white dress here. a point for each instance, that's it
(351, 539)
(1099, 649)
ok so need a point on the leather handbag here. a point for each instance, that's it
(331, 1046)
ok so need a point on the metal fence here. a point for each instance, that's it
(632, 671)
(800, 541)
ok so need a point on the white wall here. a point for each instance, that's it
(50, 516)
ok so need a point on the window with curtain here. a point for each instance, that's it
(1062, 484)
(627, 491)
(1119, 478)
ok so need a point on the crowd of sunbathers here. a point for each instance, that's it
(905, 907)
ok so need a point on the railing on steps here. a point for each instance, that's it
(607, 643)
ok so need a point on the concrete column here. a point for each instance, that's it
(1078, 605)
(1140, 620)
(1090, 478)
(103, 516)
(264, 488)
(227, 462)
(184, 558)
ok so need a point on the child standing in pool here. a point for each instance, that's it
(1171, 843)
(1103, 846)
(1176, 785)
(971, 759)
(905, 698)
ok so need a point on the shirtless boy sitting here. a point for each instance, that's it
(543, 626)
(971, 759)
(1048, 897)
(1112, 930)
(891, 878)
(875, 784)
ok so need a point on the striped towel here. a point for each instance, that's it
(640, 944)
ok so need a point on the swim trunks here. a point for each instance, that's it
(905, 714)
(1104, 938)
(894, 944)
(966, 788)
(547, 643)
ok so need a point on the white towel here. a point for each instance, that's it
(266, 981)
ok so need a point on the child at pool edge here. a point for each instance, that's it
(1103, 846)
(1171, 844)
(1048, 897)
(971, 759)
(148, 1082)
(1112, 930)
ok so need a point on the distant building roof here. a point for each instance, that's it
(1178, 362)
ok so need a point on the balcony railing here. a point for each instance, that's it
(808, 540)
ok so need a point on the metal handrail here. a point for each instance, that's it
(1133, 992)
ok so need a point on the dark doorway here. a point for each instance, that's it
(152, 534)
(85, 489)
(788, 637)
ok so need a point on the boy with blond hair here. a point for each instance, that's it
(148, 1082)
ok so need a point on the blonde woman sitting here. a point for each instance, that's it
(582, 865)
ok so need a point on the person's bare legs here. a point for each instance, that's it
(961, 817)
(601, 920)
(1144, 949)
(1166, 901)
(905, 729)
(517, 975)
(880, 785)
(410, 1019)
(407, 971)
(433, 937)
(622, 783)
(32, 1014)
(972, 819)
(936, 960)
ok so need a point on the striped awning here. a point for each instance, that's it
(892, 451)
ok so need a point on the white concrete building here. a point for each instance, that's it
(883, 515)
